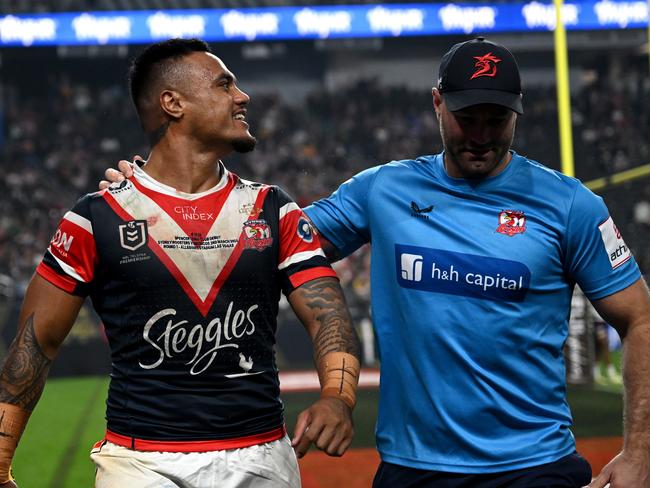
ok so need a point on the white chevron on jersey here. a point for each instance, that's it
(199, 266)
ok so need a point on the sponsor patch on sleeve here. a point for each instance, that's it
(617, 250)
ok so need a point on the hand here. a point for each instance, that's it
(327, 424)
(125, 170)
(623, 472)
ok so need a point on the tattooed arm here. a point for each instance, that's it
(321, 307)
(45, 319)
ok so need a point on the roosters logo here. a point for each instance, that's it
(511, 222)
(257, 235)
(485, 66)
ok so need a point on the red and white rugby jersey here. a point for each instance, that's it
(187, 286)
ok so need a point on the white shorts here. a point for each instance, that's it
(269, 465)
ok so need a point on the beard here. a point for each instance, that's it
(465, 166)
(245, 144)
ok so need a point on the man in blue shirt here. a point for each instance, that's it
(475, 254)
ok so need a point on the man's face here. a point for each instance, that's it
(476, 139)
(216, 107)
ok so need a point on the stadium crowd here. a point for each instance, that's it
(52, 156)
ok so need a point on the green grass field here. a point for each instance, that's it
(69, 419)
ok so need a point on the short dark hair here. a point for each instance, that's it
(150, 65)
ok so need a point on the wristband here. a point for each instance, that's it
(339, 376)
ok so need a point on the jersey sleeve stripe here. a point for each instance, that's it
(289, 207)
(69, 270)
(66, 283)
(302, 277)
(79, 220)
(299, 257)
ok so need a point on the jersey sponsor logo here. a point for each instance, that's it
(192, 212)
(133, 234)
(304, 230)
(257, 235)
(511, 222)
(62, 241)
(455, 273)
(420, 212)
(411, 267)
(246, 365)
(170, 337)
(617, 250)
(485, 65)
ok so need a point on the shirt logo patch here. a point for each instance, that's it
(250, 209)
(618, 252)
(305, 230)
(511, 222)
(133, 234)
(257, 235)
(416, 211)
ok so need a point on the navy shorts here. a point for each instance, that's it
(572, 471)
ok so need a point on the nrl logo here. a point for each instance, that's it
(133, 234)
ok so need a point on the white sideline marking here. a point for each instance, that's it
(301, 381)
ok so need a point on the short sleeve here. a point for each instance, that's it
(70, 260)
(342, 217)
(597, 258)
(301, 258)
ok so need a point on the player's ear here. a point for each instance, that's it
(437, 101)
(171, 103)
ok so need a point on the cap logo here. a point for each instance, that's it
(485, 65)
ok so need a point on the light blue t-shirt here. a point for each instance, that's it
(471, 290)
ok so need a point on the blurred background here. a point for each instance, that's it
(336, 87)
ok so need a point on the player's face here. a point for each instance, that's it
(216, 107)
(476, 139)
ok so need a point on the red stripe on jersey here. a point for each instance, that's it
(302, 277)
(65, 282)
(195, 446)
(167, 262)
(236, 253)
(75, 246)
(202, 305)
(291, 241)
(195, 217)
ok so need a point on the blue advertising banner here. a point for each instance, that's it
(284, 23)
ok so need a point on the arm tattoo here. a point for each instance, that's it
(336, 333)
(24, 371)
